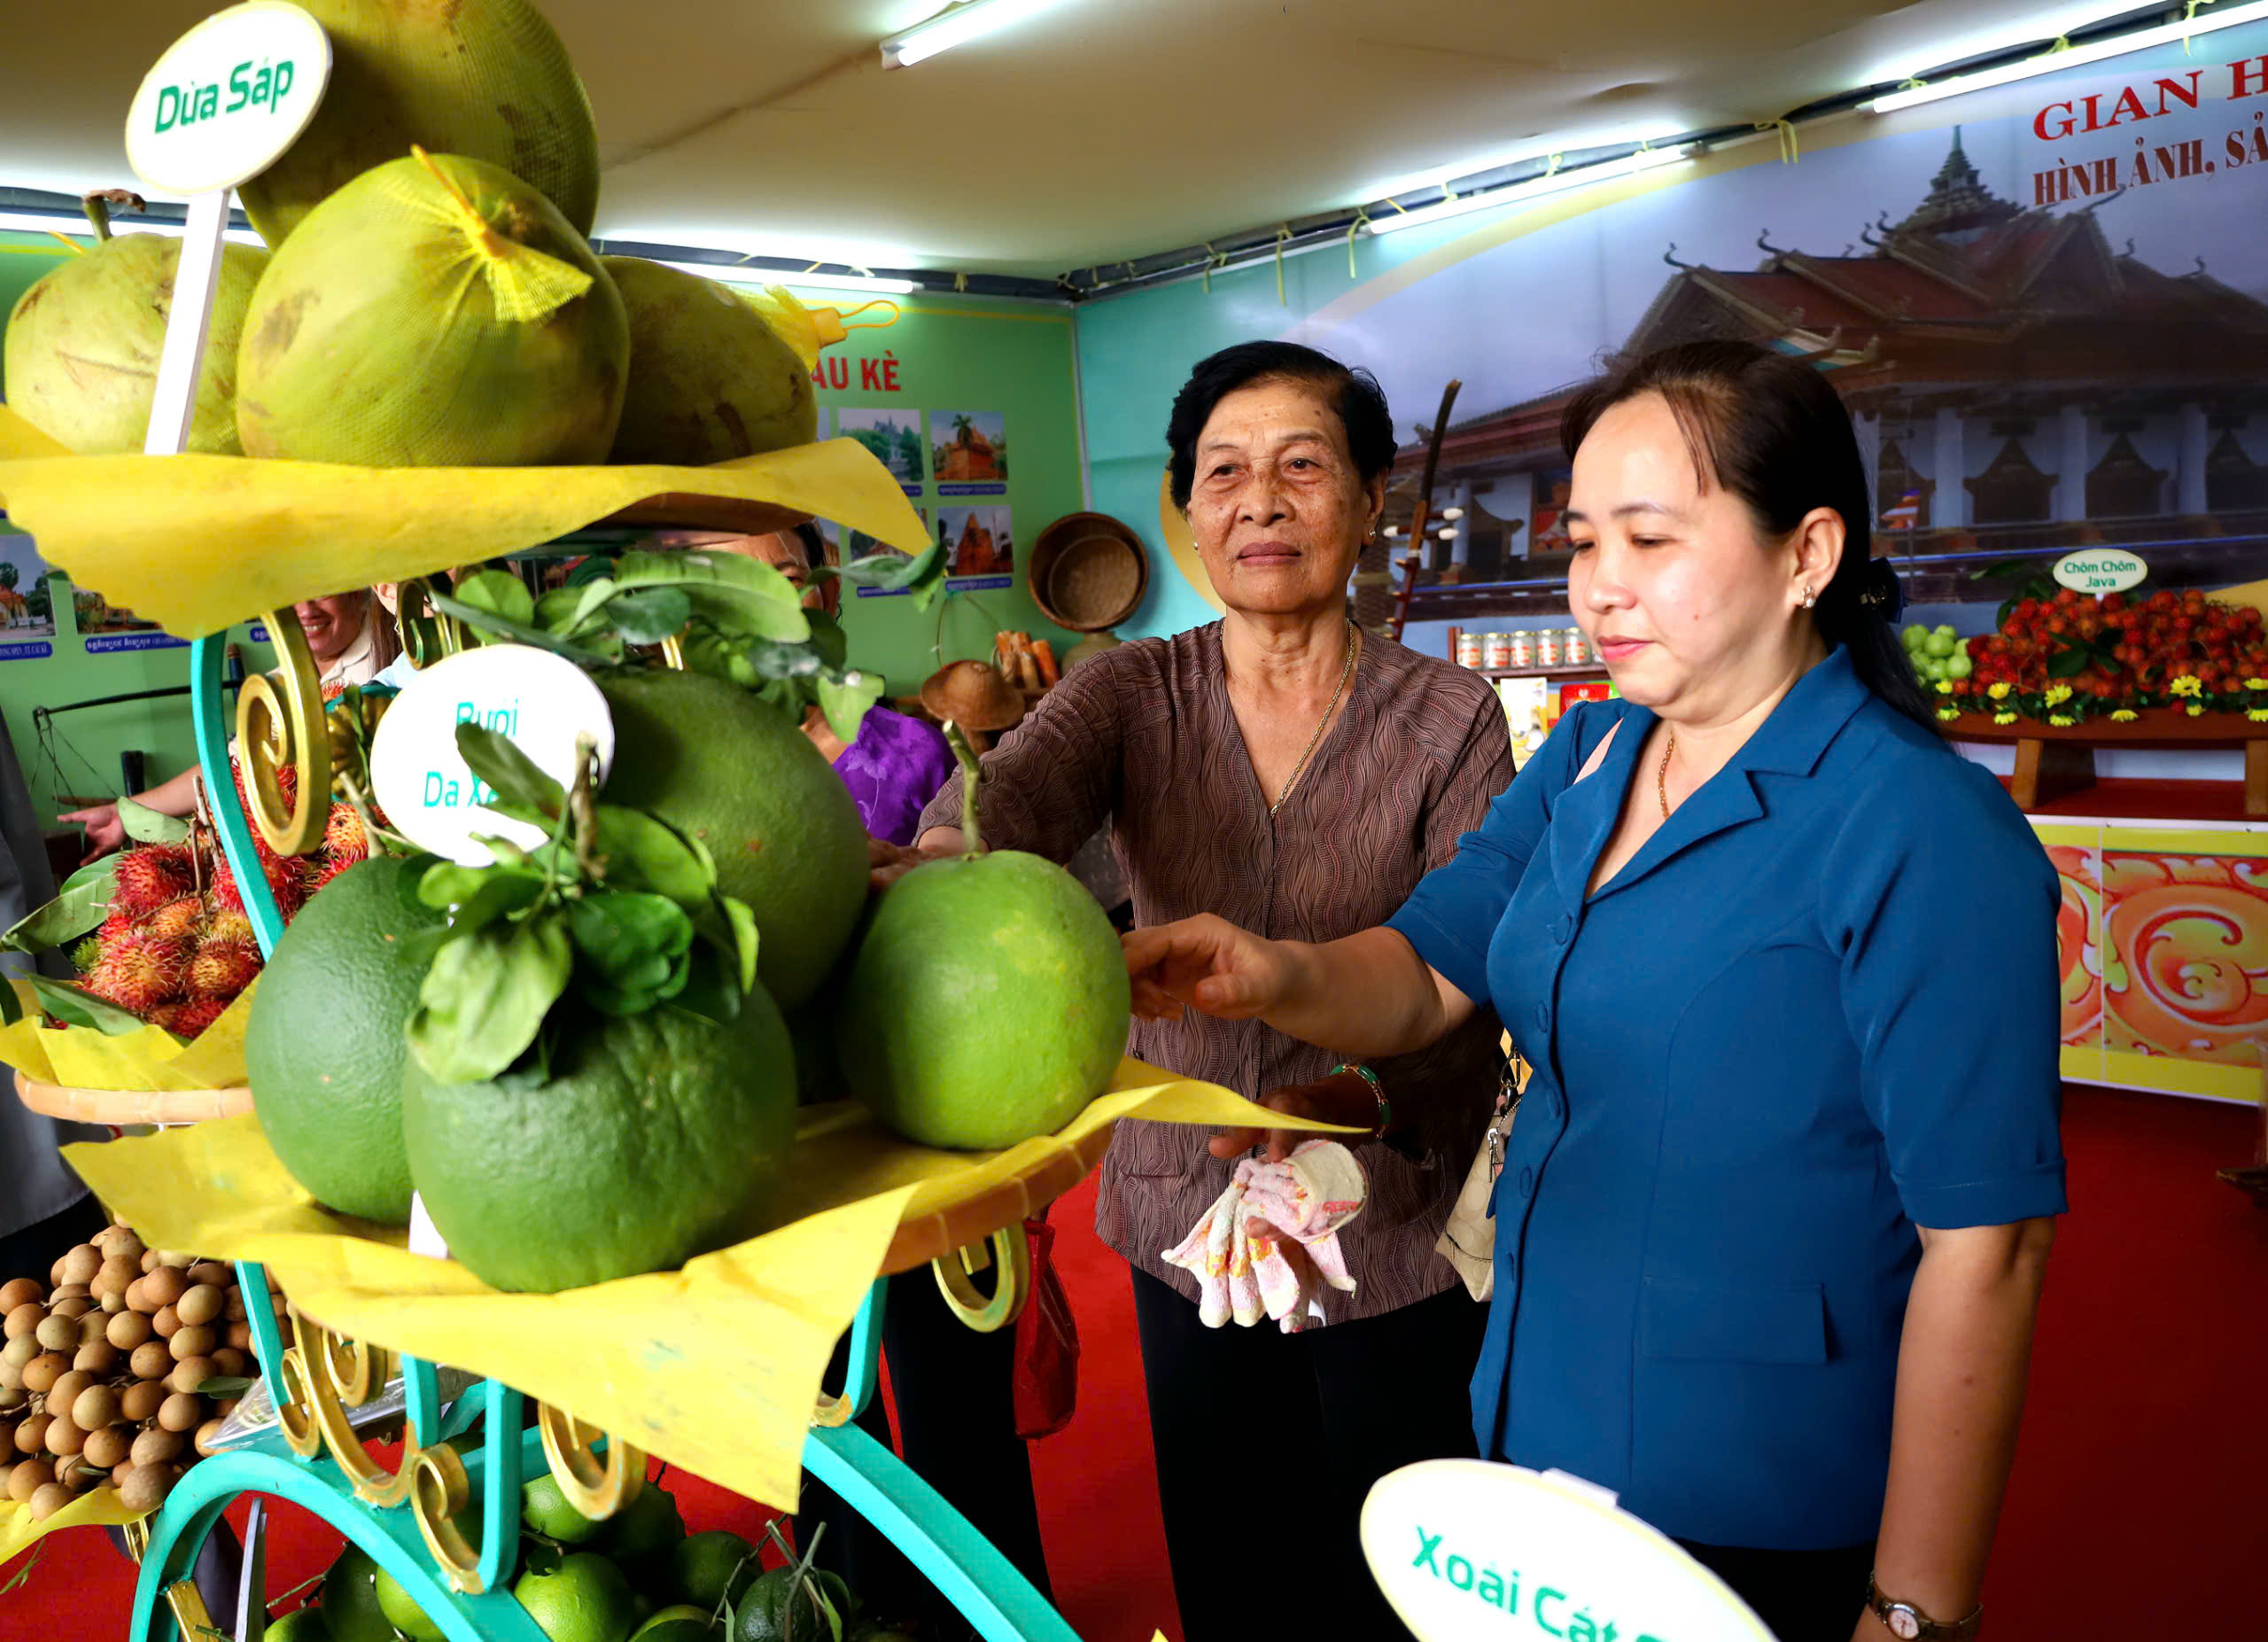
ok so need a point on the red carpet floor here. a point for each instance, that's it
(2136, 1510)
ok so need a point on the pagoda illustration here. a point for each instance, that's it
(2017, 381)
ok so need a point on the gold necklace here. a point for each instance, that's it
(1354, 641)
(1661, 776)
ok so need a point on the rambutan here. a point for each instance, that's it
(150, 876)
(343, 835)
(190, 1017)
(183, 917)
(230, 926)
(86, 954)
(140, 975)
(223, 968)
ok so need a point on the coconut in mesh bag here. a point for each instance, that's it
(710, 380)
(435, 312)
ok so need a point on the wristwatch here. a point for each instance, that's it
(1909, 1623)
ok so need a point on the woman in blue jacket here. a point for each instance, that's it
(1771, 1227)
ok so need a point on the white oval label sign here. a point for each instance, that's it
(539, 702)
(1465, 1548)
(2100, 570)
(228, 98)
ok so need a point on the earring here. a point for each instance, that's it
(1810, 598)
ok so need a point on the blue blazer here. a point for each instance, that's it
(1816, 1010)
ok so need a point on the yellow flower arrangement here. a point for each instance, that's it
(2124, 715)
(2192, 686)
(2004, 717)
(2062, 721)
(2000, 692)
(2057, 694)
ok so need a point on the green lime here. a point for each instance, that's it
(654, 1137)
(586, 1599)
(323, 1049)
(404, 1614)
(672, 1624)
(779, 1607)
(544, 1507)
(350, 1600)
(988, 1003)
(644, 1532)
(718, 764)
(707, 1567)
(303, 1624)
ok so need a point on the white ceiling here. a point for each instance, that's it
(1092, 132)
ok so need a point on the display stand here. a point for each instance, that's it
(2055, 761)
(404, 1519)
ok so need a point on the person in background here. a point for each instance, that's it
(352, 641)
(1281, 768)
(1772, 1225)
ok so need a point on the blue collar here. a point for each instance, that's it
(1791, 742)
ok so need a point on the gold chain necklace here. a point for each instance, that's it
(1661, 776)
(1354, 643)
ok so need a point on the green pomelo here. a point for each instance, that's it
(780, 1608)
(674, 1624)
(716, 763)
(642, 1534)
(544, 1507)
(708, 1567)
(302, 1625)
(989, 1002)
(350, 1600)
(709, 380)
(325, 1047)
(435, 312)
(655, 1138)
(403, 1613)
(586, 1599)
(81, 359)
(488, 79)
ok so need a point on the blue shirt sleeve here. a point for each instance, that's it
(1452, 914)
(1944, 905)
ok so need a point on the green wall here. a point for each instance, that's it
(944, 354)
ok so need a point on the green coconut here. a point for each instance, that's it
(435, 312)
(81, 359)
(487, 79)
(709, 380)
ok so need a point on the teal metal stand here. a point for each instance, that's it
(997, 1599)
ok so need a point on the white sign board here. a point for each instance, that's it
(1466, 1549)
(2100, 570)
(539, 702)
(228, 98)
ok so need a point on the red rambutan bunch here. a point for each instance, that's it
(222, 968)
(150, 876)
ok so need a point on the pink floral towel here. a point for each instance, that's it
(1307, 1198)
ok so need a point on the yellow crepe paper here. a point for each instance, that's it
(716, 1367)
(96, 1507)
(197, 542)
(150, 1058)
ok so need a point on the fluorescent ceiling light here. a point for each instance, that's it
(1559, 181)
(2077, 57)
(956, 24)
(739, 274)
(2004, 35)
(123, 222)
(1473, 165)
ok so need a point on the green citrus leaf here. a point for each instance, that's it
(632, 949)
(146, 825)
(509, 774)
(225, 1385)
(743, 596)
(845, 698)
(894, 572)
(2068, 662)
(742, 919)
(501, 892)
(498, 593)
(828, 641)
(74, 1006)
(651, 614)
(600, 650)
(568, 612)
(642, 851)
(80, 905)
(486, 995)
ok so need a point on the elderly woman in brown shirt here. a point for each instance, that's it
(1292, 775)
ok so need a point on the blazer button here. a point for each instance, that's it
(1565, 929)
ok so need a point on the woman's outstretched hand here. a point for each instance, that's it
(1342, 1098)
(1207, 964)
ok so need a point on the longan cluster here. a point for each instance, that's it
(102, 1373)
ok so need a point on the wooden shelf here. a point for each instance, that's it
(1587, 671)
(2055, 762)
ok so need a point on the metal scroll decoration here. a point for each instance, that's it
(283, 728)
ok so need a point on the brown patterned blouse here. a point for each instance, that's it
(1144, 737)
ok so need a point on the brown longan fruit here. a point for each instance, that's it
(94, 1407)
(31, 1434)
(118, 1240)
(56, 1333)
(201, 1305)
(127, 1330)
(165, 1285)
(225, 1407)
(72, 1291)
(73, 1305)
(116, 1274)
(79, 1474)
(21, 1291)
(92, 1325)
(17, 1352)
(154, 1447)
(66, 1388)
(152, 1360)
(207, 1440)
(27, 1479)
(64, 1437)
(175, 1258)
(183, 1411)
(146, 1486)
(148, 1260)
(81, 1264)
(229, 1363)
(137, 1297)
(41, 1372)
(98, 1357)
(113, 1302)
(238, 1337)
(234, 1307)
(12, 1396)
(141, 1401)
(189, 1342)
(188, 1373)
(24, 1320)
(215, 1272)
(167, 1322)
(108, 1447)
(11, 1378)
(46, 1501)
